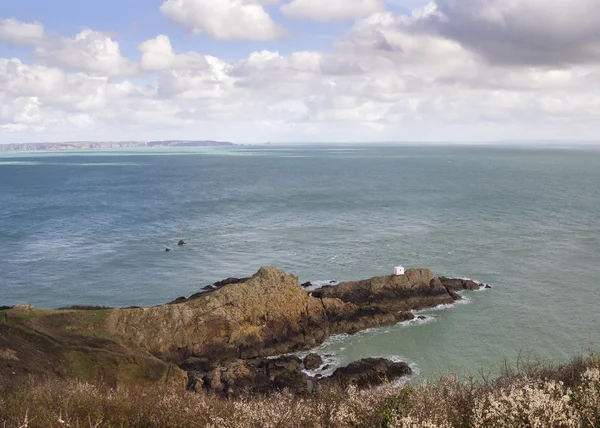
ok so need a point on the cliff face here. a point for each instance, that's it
(268, 314)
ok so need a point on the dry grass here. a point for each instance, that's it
(529, 395)
(8, 354)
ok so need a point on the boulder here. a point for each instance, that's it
(312, 361)
(181, 243)
(368, 373)
(307, 284)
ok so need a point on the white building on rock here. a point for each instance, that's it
(399, 270)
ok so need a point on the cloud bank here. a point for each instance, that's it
(453, 70)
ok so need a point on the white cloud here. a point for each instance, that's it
(331, 10)
(17, 32)
(225, 19)
(89, 51)
(157, 54)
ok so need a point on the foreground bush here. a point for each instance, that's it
(531, 396)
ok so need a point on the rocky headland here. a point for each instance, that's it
(228, 338)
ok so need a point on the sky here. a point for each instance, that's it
(254, 71)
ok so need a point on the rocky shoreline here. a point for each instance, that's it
(229, 337)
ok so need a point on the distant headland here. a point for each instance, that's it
(98, 145)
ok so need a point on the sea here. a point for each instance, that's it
(91, 228)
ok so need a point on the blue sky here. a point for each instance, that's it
(133, 21)
(300, 70)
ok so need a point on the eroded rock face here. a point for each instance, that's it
(268, 314)
(369, 372)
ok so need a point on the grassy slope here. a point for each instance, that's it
(65, 343)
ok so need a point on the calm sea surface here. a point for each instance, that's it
(91, 228)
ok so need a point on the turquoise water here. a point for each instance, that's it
(90, 228)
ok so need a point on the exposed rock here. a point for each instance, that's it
(312, 361)
(178, 300)
(307, 284)
(5, 308)
(235, 377)
(168, 250)
(488, 286)
(229, 281)
(181, 243)
(268, 314)
(403, 293)
(458, 284)
(351, 318)
(369, 372)
(208, 288)
(84, 308)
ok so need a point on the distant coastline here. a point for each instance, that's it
(98, 145)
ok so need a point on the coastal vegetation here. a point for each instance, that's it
(526, 395)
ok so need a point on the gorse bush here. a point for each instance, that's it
(529, 396)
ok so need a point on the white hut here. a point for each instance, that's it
(399, 270)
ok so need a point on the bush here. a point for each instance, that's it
(531, 395)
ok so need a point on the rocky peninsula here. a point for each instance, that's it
(235, 336)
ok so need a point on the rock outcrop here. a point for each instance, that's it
(260, 375)
(312, 361)
(458, 284)
(369, 372)
(417, 289)
(269, 314)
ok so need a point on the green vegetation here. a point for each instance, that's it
(529, 395)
